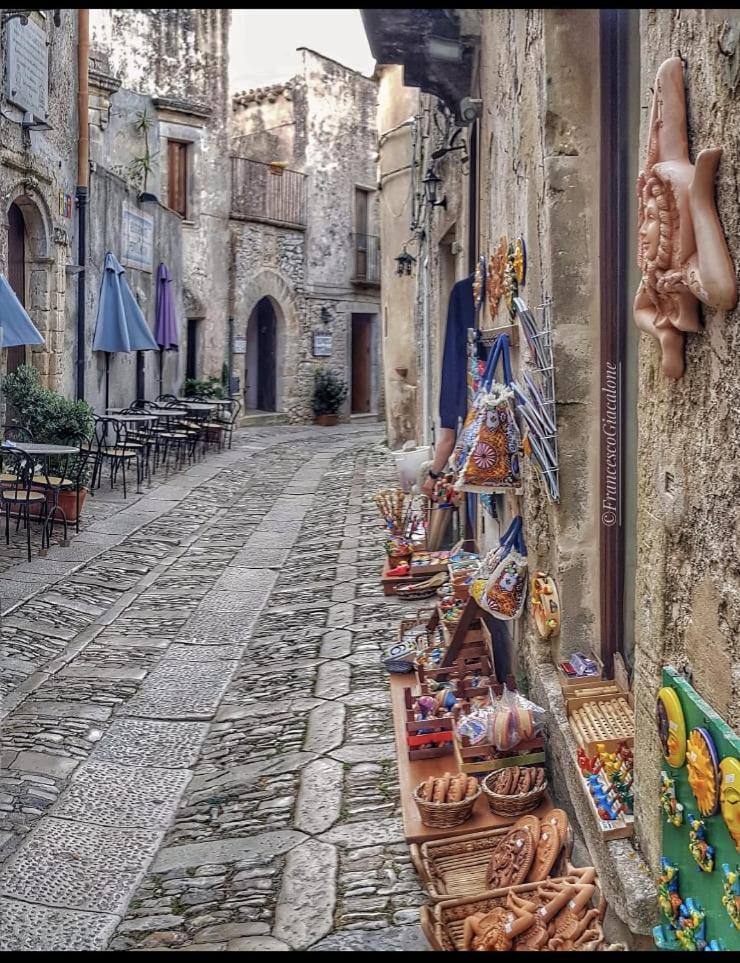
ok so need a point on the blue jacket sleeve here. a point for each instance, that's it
(453, 394)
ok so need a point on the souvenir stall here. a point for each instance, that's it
(491, 849)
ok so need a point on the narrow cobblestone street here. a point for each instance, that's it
(198, 747)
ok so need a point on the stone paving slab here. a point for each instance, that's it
(146, 742)
(225, 850)
(109, 794)
(26, 926)
(79, 865)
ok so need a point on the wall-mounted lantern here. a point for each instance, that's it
(431, 186)
(404, 262)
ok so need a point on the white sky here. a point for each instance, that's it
(262, 49)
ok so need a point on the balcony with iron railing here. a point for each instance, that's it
(268, 193)
(366, 259)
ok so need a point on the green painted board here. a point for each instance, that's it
(705, 888)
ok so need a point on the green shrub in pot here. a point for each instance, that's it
(329, 392)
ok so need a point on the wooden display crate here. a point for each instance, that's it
(391, 582)
(620, 828)
(484, 758)
(602, 720)
(420, 732)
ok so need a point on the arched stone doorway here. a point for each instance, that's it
(34, 276)
(17, 274)
(261, 362)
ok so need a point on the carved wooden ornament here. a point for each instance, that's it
(682, 252)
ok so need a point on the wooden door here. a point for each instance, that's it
(360, 233)
(361, 358)
(266, 356)
(17, 273)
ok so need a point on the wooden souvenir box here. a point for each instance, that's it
(606, 719)
(421, 732)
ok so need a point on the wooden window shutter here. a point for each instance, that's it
(177, 177)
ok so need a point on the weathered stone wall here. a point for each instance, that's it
(687, 609)
(539, 138)
(34, 167)
(323, 124)
(180, 57)
(264, 122)
(109, 194)
(396, 104)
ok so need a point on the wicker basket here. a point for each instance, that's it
(445, 815)
(456, 867)
(513, 805)
(443, 923)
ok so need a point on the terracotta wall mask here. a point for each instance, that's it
(682, 252)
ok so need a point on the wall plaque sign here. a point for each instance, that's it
(240, 345)
(27, 73)
(321, 344)
(137, 240)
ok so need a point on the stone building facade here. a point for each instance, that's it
(563, 105)
(38, 174)
(304, 226)
(176, 62)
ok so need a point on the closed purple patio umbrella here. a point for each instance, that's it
(165, 322)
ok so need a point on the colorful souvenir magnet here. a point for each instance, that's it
(479, 282)
(671, 726)
(729, 797)
(731, 893)
(672, 809)
(703, 770)
(669, 899)
(520, 261)
(691, 926)
(699, 847)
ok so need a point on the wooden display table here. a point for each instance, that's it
(410, 774)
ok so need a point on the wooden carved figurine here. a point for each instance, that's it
(682, 252)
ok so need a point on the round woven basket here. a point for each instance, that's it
(513, 805)
(444, 815)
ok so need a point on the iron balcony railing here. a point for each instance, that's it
(266, 192)
(367, 258)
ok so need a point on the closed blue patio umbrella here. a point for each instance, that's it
(16, 327)
(165, 323)
(120, 324)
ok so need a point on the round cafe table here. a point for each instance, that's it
(131, 419)
(32, 448)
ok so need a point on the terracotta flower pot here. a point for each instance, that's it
(68, 503)
(327, 420)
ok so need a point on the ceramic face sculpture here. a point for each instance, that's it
(682, 253)
(730, 797)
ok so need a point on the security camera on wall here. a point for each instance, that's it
(470, 109)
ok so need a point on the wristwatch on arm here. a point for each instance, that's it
(434, 475)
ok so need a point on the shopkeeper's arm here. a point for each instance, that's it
(442, 450)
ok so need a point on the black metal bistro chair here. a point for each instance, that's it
(18, 495)
(110, 442)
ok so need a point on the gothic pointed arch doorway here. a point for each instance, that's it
(260, 376)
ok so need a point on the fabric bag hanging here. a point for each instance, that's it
(491, 561)
(469, 428)
(506, 588)
(491, 436)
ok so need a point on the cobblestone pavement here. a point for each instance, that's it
(197, 741)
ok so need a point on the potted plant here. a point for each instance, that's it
(328, 394)
(52, 419)
(207, 388)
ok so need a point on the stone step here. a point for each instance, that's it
(261, 419)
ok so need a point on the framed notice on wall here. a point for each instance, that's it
(240, 345)
(321, 344)
(137, 240)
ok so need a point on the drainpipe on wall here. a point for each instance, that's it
(83, 180)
